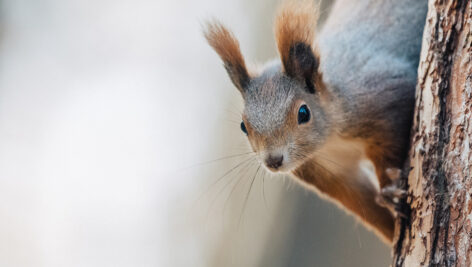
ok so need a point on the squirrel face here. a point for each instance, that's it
(284, 117)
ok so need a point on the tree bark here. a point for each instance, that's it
(438, 227)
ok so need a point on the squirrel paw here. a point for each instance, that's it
(393, 173)
(390, 197)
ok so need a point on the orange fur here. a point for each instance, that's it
(227, 47)
(351, 194)
(295, 23)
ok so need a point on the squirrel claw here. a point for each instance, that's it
(390, 197)
(393, 192)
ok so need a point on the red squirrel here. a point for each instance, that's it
(335, 111)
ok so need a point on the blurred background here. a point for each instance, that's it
(120, 144)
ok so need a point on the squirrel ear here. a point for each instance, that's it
(227, 47)
(295, 27)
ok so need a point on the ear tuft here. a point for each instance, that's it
(295, 27)
(227, 47)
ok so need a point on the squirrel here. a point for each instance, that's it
(336, 110)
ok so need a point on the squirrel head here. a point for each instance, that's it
(285, 115)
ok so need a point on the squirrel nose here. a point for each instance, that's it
(274, 162)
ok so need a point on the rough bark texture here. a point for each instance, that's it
(438, 230)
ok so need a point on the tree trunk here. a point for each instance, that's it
(438, 227)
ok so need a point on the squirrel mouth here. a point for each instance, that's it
(283, 168)
(272, 169)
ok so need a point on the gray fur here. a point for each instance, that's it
(267, 101)
(359, 52)
(371, 62)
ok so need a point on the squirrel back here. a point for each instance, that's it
(367, 37)
(369, 54)
(365, 42)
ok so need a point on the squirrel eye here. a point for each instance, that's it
(303, 114)
(243, 127)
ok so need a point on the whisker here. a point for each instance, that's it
(213, 201)
(235, 186)
(235, 109)
(319, 154)
(233, 122)
(232, 112)
(221, 177)
(247, 196)
(218, 159)
(263, 190)
(226, 185)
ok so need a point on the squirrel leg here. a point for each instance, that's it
(391, 188)
(353, 193)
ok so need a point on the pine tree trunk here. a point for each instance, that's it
(438, 227)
